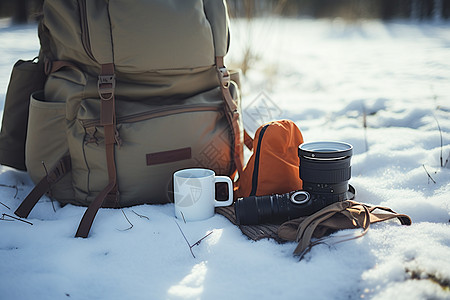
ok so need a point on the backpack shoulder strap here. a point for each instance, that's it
(232, 114)
(62, 167)
(217, 14)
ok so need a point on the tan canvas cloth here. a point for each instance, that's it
(315, 229)
(337, 216)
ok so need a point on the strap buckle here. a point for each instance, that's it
(225, 77)
(106, 85)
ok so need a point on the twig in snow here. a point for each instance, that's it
(446, 161)
(11, 187)
(141, 216)
(128, 220)
(3, 218)
(365, 126)
(194, 244)
(200, 240)
(429, 176)
(5, 205)
(185, 238)
(442, 144)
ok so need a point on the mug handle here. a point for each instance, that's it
(228, 181)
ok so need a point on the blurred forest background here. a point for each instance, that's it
(23, 11)
(346, 9)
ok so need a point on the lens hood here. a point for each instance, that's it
(325, 150)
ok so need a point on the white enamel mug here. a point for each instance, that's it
(194, 193)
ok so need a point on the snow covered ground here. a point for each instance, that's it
(324, 75)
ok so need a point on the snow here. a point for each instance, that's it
(324, 75)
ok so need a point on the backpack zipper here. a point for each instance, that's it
(85, 39)
(256, 166)
(156, 113)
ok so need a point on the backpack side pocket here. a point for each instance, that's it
(26, 78)
(47, 143)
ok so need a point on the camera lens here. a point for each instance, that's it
(275, 208)
(325, 167)
(263, 209)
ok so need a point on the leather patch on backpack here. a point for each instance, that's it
(168, 156)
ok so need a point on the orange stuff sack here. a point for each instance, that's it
(273, 168)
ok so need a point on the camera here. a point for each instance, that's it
(325, 168)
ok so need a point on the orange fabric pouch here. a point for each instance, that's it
(273, 167)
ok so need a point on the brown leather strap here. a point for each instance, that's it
(54, 175)
(106, 86)
(56, 65)
(91, 212)
(232, 114)
(248, 140)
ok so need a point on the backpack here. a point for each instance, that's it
(135, 90)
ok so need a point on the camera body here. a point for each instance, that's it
(325, 168)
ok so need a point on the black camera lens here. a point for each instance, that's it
(325, 167)
(272, 208)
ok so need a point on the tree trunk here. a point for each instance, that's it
(20, 15)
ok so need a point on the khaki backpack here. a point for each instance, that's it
(136, 90)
